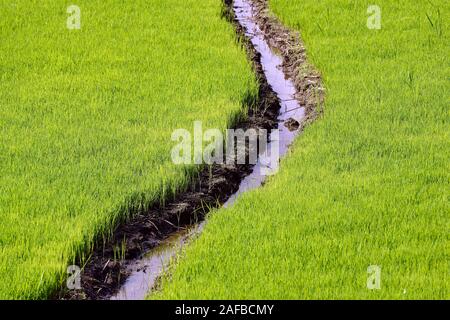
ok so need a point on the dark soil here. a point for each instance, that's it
(292, 124)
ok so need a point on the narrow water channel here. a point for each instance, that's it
(145, 271)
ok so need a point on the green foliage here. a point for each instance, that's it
(367, 184)
(86, 118)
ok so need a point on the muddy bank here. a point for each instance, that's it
(307, 80)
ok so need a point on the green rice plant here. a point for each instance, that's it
(86, 117)
(365, 185)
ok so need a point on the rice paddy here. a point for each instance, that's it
(90, 96)
(86, 117)
(366, 185)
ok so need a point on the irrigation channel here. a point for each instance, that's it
(144, 272)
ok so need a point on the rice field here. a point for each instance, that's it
(366, 185)
(86, 117)
(88, 106)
